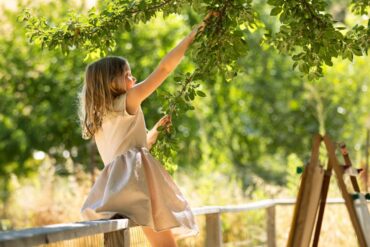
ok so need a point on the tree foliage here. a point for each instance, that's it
(307, 32)
(310, 36)
(246, 126)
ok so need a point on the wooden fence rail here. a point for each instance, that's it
(116, 234)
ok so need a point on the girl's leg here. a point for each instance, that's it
(160, 239)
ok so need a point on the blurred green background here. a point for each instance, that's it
(241, 143)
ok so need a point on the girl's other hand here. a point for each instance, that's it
(152, 134)
(165, 121)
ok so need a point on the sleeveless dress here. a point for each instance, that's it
(133, 183)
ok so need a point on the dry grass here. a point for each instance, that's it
(336, 227)
(47, 198)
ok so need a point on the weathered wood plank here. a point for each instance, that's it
(291, 201)
(233, 208)
(213, 230)
(271, 226)
(206, 210)
(117, 238)
(247, 207)
(59, 232)
(253, 206)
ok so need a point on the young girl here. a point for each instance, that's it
(132, 184)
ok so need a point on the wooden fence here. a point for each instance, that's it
(116, 231)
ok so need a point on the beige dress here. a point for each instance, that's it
(133, 183)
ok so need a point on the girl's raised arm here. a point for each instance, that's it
(142, 90)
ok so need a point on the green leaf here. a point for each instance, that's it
(328, 62)
(275, 11)
(201, 94)
(177, 78)
(191, 95)
(357, 51)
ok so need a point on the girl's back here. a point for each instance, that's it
(120, 131)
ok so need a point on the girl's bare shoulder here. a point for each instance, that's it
(120, 105)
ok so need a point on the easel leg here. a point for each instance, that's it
(324, 194)
(346, 196)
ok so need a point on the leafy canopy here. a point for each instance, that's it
(307, 33)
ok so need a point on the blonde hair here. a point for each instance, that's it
(103, 83)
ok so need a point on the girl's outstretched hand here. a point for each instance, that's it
(211, 13)
(206, 19)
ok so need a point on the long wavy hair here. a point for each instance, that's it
(104, 81)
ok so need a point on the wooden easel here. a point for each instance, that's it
(311, 200)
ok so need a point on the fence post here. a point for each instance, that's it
(213, 230)
(117, 238)
(270, 226)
